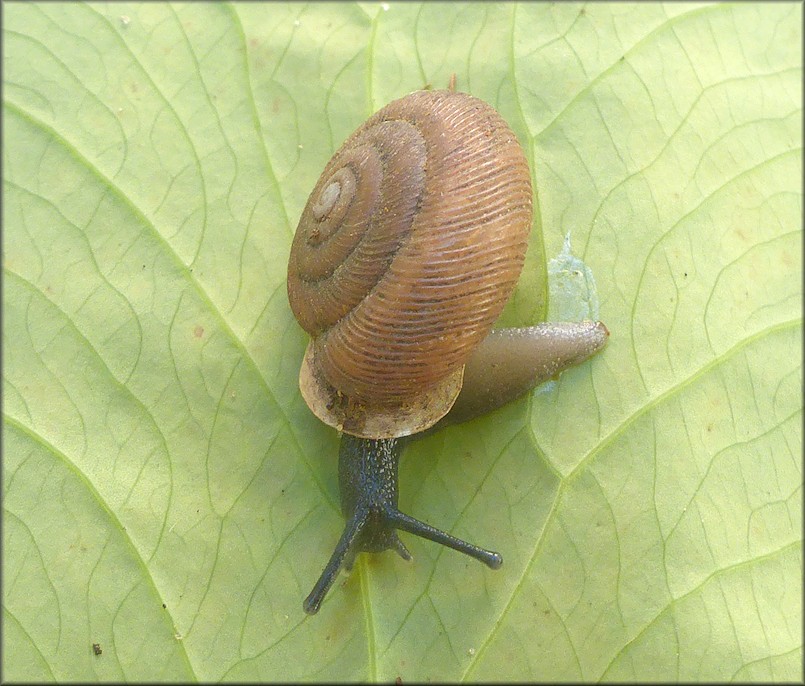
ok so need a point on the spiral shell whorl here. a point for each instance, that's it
(408, 249)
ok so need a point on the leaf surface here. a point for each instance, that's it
(169, 497)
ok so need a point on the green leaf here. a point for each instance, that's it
(169, 497)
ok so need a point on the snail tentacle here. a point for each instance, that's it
(367, 470)
(345, 544)
(400, 520)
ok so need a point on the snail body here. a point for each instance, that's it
(407, 251)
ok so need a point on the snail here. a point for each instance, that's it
(407, 251)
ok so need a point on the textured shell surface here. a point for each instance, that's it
(406, 253)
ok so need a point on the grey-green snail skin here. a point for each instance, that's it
(405, 255)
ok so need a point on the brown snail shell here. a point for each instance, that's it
(406, 253)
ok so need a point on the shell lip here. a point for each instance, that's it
(359, 418)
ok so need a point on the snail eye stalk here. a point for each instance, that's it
(367, 470)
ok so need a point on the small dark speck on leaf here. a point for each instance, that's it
(96, 648)
(398, 680)
(164, 606)
(198, 331)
